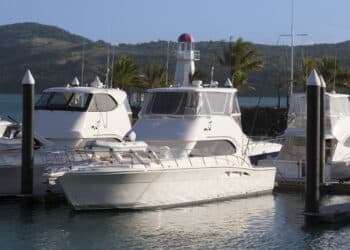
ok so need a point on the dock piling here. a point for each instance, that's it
(28, 83)
(312, 192)
(322, 139)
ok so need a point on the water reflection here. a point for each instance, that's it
(270, 221)
(195, 226)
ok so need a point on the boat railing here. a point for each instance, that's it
(66, 156)
(59, 160)
(186, 159)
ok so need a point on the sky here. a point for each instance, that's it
(136, 21)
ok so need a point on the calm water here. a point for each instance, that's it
(264, 222)
(11, 104)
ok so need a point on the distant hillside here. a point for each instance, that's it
(54, 57)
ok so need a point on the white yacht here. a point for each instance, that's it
(65, 118)
(203, 158)
(291, 161)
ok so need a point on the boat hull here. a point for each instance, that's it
(163, 188)
(296, 170)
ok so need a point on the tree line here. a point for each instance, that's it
(240, 58)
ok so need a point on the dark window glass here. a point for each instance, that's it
(43, 100)
(78, 100)
(168, 103)
(59, 99)
(171, 103)
(63, 101)
(102, 103)
(214, 147)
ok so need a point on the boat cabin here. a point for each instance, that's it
(192, 120)
(72, 115)
(190, 117)
(191, 102)
(337, 135)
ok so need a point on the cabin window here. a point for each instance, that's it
(168, 103)
(190, 103)
(102, 103)
(43, 100)
(216, 103)
(60, 99)
(172, 103)
(212, 148)
(78, 100)
(63, 101)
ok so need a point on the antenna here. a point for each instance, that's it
(167, 65)
(113, 54)
(107, 67)
(82, 63)
(292, 51)
(291, 35)
(335, 72)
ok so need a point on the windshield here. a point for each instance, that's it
(63, 101)
(172, 103)
(191, 103)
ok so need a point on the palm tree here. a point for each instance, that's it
(307, 65)
(155, 75)
(342, 79)
(329, 67)
(240, 57)
(126, 73)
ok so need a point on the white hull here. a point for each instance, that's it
(163, 188)
(296, 170)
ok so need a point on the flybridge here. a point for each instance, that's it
(72, 115)
(189, 101)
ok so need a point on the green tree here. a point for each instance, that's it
(342, 80)
(328, 67)
(154, 75)
(307, 65)
(336, 77)
(126, 73)
(240, 57)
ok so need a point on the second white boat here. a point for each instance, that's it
(210, 160)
